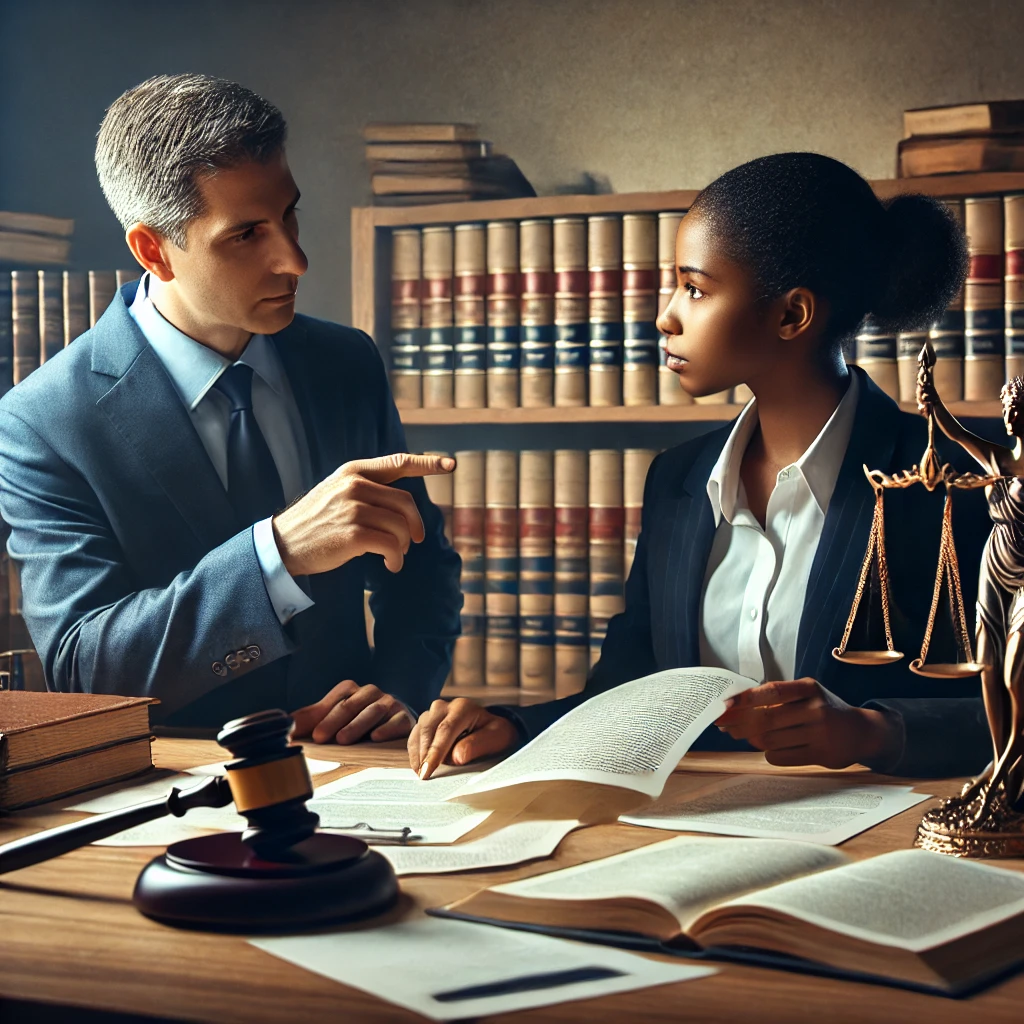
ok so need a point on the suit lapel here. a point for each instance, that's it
(148, 413)
(844, 536)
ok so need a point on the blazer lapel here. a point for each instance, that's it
(148, 413)
(844, 536)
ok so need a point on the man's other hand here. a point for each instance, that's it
(458, 732)
(351, 712)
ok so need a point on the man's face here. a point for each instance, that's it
(242, 261)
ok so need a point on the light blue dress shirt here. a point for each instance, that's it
(194, 369)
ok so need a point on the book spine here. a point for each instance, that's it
(51, 314)
(536, 314)
(503, 314)
(984, 338)
(1013, 284)
(572, 574)
(122, 277)
(438, 317)
(635, 464)
(536, 572)
(606, 539)
(947, 336)
(670, 392)
(441, 491)
(604, 261)
(76, 305)
(25, 321)
(640, 309)
(572, 330)
(470, 316)
(501, 566)
(406, 354)
(468, 539)
(875, 353)
(102, 287)
(6, 335)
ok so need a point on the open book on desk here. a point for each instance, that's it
(909, 918)
(611, 753)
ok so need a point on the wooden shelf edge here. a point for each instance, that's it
(626, 414)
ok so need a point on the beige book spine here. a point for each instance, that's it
(501, 560)
(536, 572)
(1013, 284)
(605, 531)
(470, 316)
(406, 318)
(604, 261)
(635, 464)
(537, 314)
(468, 540)
(640, 309)
(984, 334)
(438, 317)
(572, 571)
(503, 314)
(572, 330)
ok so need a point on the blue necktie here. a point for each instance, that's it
(254, 485)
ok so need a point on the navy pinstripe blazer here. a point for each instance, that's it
(943, 721)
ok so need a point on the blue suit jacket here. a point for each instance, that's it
(944, 721)
(138, 580)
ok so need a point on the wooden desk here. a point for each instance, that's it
(70, 936)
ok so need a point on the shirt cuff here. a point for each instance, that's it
(286, 596)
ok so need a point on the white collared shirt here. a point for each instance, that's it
(194, 369)
(756, 579)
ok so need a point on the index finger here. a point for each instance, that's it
(389, 468)
(767, 694)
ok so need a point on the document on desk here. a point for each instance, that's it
(450, 970)
(779, 807)
(394, 798)
(521, 841)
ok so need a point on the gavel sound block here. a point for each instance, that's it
(279, 873)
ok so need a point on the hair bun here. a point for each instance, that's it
(926, 253)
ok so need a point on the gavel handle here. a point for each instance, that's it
(211, 792)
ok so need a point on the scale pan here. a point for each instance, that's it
(958, 670)
(866, 657)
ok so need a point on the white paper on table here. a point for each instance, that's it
(395, 798)
(169, 829)
(518, 842)
(315, 766)
(631, 736)
(779, 807)
(411, 963)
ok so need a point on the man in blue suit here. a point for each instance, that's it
(200, 488)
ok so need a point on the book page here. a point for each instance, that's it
(779, 807)
(911, 899)
(452, 970)
(685, 875)
(518, 842)
(631, 736)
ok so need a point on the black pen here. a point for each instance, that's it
(528, 983)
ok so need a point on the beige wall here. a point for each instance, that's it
(651, 95)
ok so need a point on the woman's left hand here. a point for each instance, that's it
(798, 721)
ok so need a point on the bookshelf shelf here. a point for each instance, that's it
(623, 414)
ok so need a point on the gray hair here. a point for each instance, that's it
(159, 138)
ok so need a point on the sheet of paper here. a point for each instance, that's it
(779, 807)
(685, 875)
(394, 798)
(315, 766)
(450, 970)
(168, 829)
(631, 736)
(518, 842)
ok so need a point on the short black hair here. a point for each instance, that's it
(806, 220)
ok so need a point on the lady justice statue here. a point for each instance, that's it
(987, 818)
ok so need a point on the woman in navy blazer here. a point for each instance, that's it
(778, 262)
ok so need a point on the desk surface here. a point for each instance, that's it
(70, 935)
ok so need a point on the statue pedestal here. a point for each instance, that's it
(971, 825)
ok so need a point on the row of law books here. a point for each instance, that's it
(979, 341)
(547, 539)
(42, 311)
(539, 312)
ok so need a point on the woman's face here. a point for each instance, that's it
(717, 334)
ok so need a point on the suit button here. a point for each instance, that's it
(231, 660)
(243, 655)
(253, 652)
(219, 669)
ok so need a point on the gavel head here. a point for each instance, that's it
(269, 782)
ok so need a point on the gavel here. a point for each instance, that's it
(280, 872)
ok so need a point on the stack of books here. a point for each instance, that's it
(31, 238)
(412, 164)
(55, 744)
(967, 137)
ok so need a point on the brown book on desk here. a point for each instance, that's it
(419, 132)
(52, 744)
(959, 154)
(909, 918)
